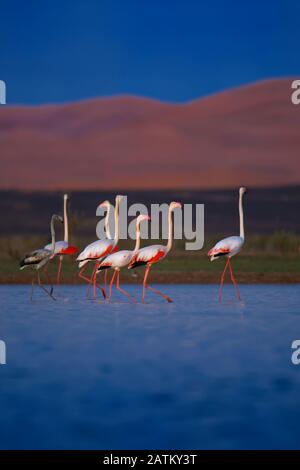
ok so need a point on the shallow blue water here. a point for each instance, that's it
(192, 374)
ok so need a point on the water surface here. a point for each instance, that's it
(192, 374)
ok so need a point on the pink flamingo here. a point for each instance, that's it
(154, 253)
(100, 248)
(229, 247)
(63, 248)
(119, 260)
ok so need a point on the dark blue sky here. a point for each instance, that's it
(173, 50)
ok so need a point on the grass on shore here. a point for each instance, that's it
(265, 258)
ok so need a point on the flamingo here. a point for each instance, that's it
(122, 258)
(229, 247)
(62, 247)
(100, 248)
(39, 258)
(154, 253)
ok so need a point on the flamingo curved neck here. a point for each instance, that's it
(66, 222)
(106, 223)
(116, 239)
(137, 237)
(52, 235)
(241, 211)
(170, 234)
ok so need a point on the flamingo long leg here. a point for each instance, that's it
(146, 286)
(91, 281)
(80, 274)
(32, 288)
(95, 282)
(43, 287)
(105, 281)
(122, 290)
(144, 283)
(222, 280)
(111, 283)
(59, 270)
(85, 278)
(234, 282)
(94, 279)
(48, 278)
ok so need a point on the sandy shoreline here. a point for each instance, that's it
(179, 278)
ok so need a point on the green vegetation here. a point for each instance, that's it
(265, 258)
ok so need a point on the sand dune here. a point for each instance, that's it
(248, 135)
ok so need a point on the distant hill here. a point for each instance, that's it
(249, 135)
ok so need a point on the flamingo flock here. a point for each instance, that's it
(105, 253)
(99, 249)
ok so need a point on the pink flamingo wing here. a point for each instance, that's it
(215, 251)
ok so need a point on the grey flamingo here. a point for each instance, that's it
(37, 259)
